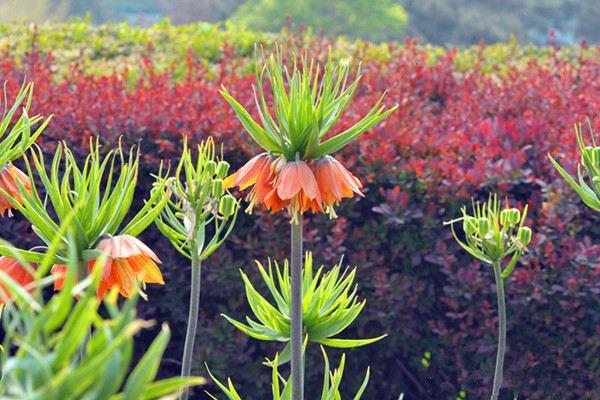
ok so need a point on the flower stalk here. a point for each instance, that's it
(297, 365)
(493, 235)
(196, 222)
(192, 323)
(498, 372)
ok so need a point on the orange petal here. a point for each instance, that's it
(348, 179)
(288, 183)
(246, 176)
(308, 181)
(103, 288)
(264, 182)
(59, 271)
(147, 271)
(124, 278)
(228, 182)
(143, 249)
(327, 181)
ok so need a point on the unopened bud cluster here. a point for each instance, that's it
(200, 200)
(492, 233)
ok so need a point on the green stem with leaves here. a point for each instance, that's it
(190, 335)
(297, 366)
(501, 330)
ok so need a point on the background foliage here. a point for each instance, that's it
(441, 22)
(373, 20)
(470, 121)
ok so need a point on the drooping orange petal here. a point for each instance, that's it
(330, 187)
(311, 204)
(128, 261)
(264, 182)
(308, 181)
(228, 182)
(124, 246)
(146, 270)
(143, 249)
(246, 176)
(348, 179)
(106, 265)
(21, 177)
(124, 278)
(103, 287)
(273, 202)
(288, 183)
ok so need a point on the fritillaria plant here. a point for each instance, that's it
(590, 161)
(297, 172)
(197, 220)
(97, 196)
(497, 237)
(45, 354)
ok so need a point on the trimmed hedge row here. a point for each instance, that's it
(120, 46)
(458, 132)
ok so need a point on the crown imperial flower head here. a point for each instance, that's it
(297, 172)
(127, 263)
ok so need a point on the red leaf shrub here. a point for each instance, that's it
(456, 134)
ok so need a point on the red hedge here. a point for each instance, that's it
(455, 135)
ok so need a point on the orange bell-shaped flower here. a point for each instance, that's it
(10, 178)
(128, 262)
(299, 186)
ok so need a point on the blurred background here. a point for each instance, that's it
(441, 22)
(472, 120)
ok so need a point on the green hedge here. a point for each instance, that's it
(100, 49)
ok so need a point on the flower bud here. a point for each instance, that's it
(484, 226)
(211, 167)
(515, 216)
(524, 235)
(217, 188)
(222, 169)
(227, 206)
(469, 225)
(505, 217)
(510, 217)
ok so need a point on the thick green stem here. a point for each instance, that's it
(297, 366)
(190, 334)
(501, 332)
